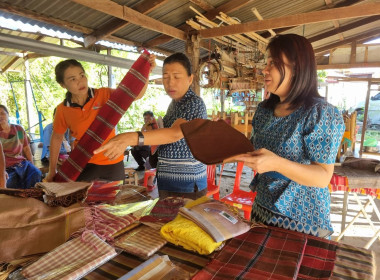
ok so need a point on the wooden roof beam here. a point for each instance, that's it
(123, 12)
(362, 10)
(358, 38)
(116, 24)
(211, 15)
(344, 28)
(203, 4)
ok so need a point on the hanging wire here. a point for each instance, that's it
(34, 81)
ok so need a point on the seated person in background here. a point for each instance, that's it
(65, 146)
(3, 173)
(18, 156)
(141, 153)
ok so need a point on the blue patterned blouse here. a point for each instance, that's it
(177, 170)
(305, 136)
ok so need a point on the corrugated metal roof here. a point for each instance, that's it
(66, 16)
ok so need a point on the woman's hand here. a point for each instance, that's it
(3, 180)
(116, 146)
(152, 62)
(261, 160)
(50, 176)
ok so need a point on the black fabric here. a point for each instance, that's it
(111, 172)
(211, 142)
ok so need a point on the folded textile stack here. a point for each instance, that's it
(71, 260)
(156, 268)
(33, 192)
(189, 235)
(165, 210)
(218, 219)
(103, 191)
(142, 241)
(64, 194)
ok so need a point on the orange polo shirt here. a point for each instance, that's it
(78, 120)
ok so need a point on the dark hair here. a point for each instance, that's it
(300, 54)
(180, 58)
(148, 113)
(61, 67)
(4, 108)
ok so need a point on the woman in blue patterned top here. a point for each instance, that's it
(178, 173)
(296, 135)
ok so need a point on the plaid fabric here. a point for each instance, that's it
(142, 241)
(353, 263)
(107, 118)
(318, 260)
(261, 253)
(106, 225)
(165, 210)
(217, 219)
(71, 260)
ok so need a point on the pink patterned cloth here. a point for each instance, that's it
(71, 260)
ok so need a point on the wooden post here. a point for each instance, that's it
(364, 127)
(192, 51)
(111, 78)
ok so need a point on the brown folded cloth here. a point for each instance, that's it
(212, 142)
(64, 193)
(33, 192)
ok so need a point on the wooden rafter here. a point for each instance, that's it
(348, 41)
(203, 4)
(123, 12)
(211, 15)
(116, 24)
(344, 28)
(361, 10)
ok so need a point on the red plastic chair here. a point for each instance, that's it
(212, 188)
(147, 174)
(239, 198)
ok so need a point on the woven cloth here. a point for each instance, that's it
(212, 142)
(318, 260)
(102, 191)
(108, 116)
(130, 194)
(104, 224)
(189, 235)
(28, 226)
(71, 260)
(142, 241)
(157, 267)
(353, 263)
(33, 192)
(64, 193)
(217, 219)
(261, 253)
(165, 210)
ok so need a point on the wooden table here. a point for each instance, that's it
(357, 182)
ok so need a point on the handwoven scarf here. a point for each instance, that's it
(107, 118)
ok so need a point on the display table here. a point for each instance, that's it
(357, 182)
(317, 259)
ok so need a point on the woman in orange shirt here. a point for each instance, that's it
(77, 112)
